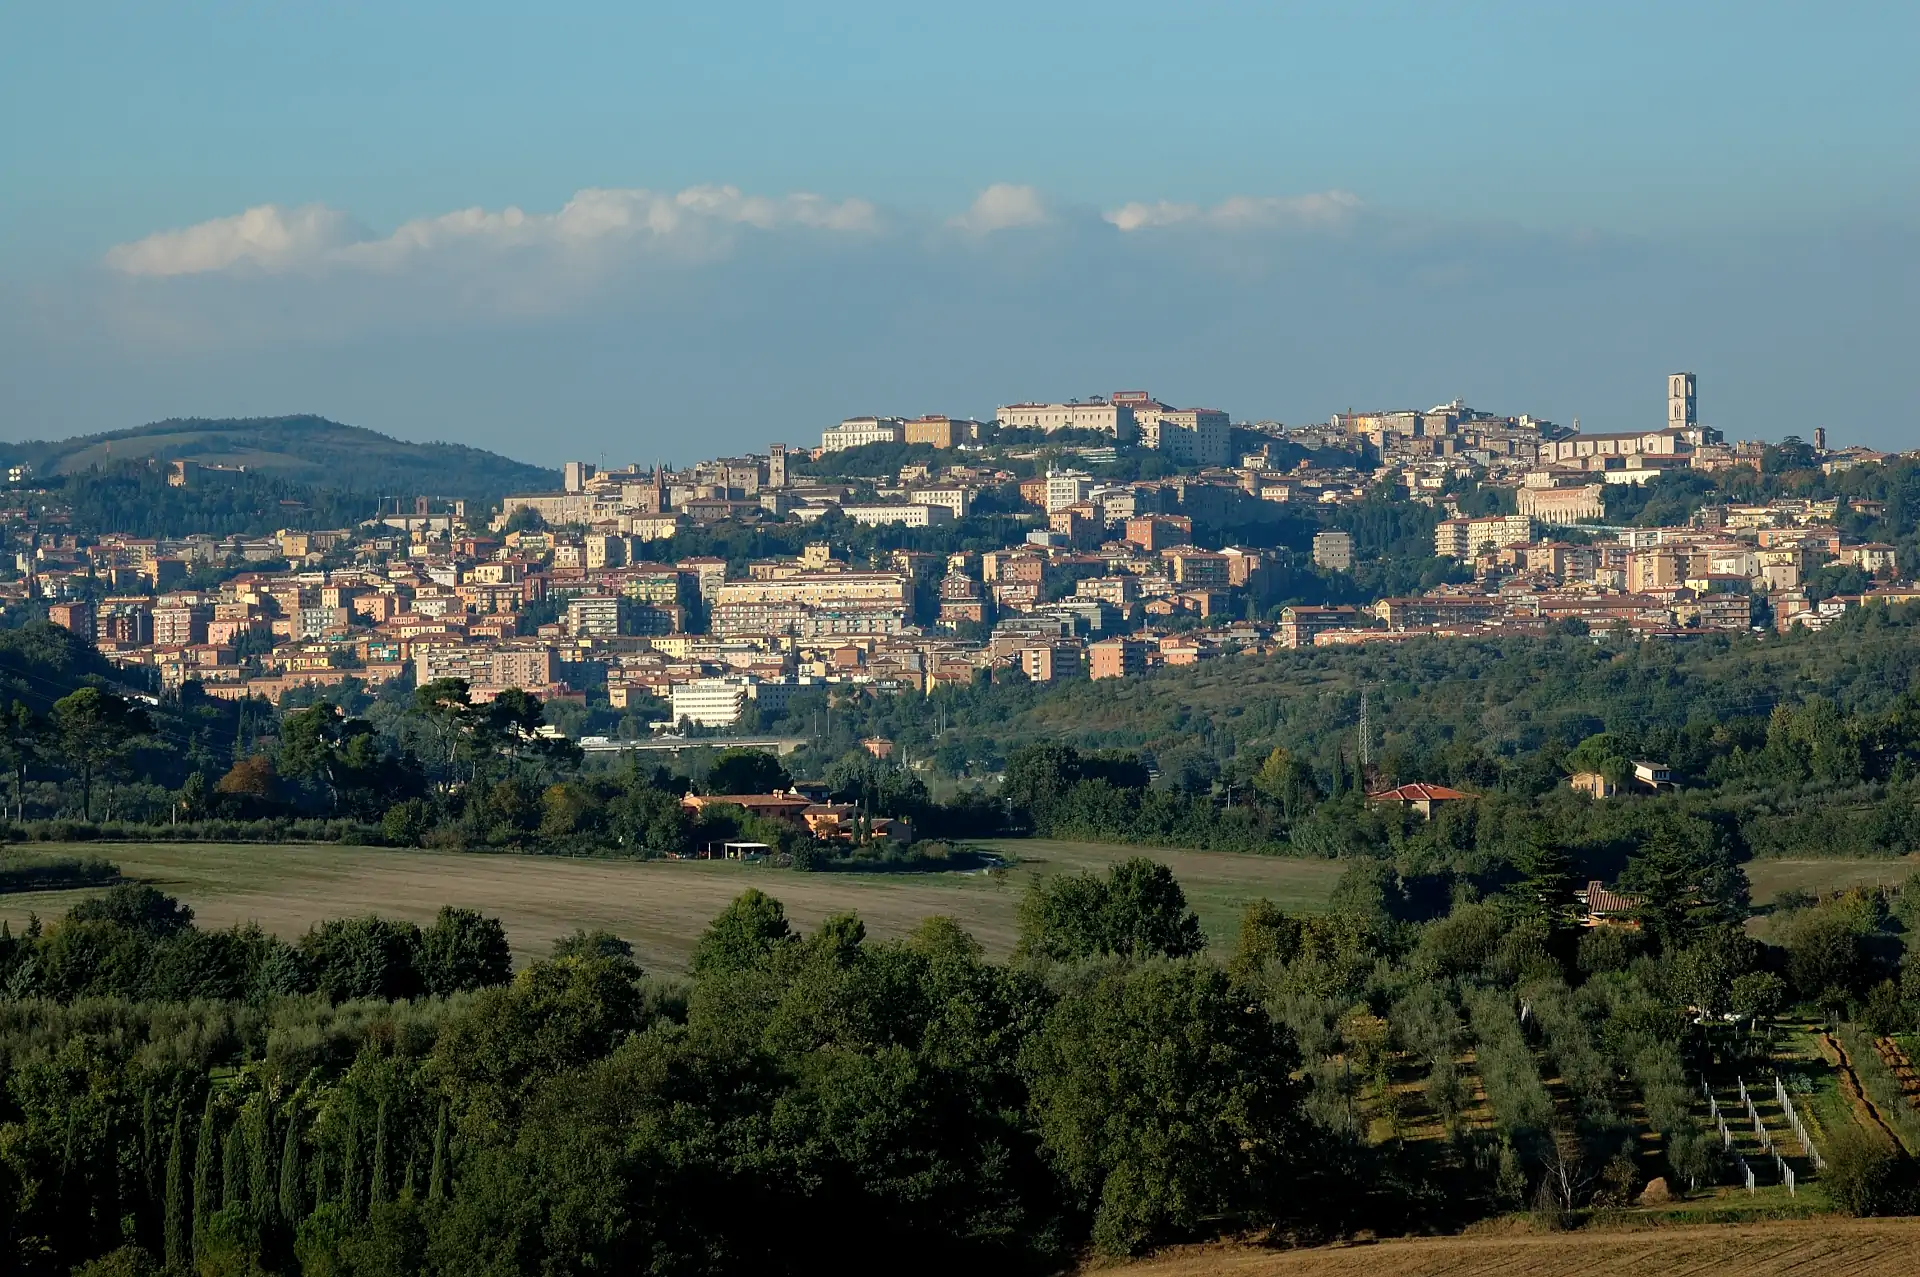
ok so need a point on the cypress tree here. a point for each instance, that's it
(233, 1166)
(177, 1244)
(291, 1211)
(204, 1153)
(437, 1176)
(381, 1189)
(260, 1165)
(320, 1177)
(149, 1166)
(350, 1168)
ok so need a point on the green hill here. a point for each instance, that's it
(304, 449)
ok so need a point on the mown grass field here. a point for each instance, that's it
(1771, 877)
(1830, 1247)
(660, 906)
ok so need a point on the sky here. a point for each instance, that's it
(623, 231)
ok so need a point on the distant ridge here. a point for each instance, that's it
(304, 449)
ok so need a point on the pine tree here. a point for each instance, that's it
(175, 1221)
(204, 1154)
(437, 1176)
(381, 1188)
(291, 1207)
(233, 1167)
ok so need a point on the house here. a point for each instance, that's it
(1601, 906)
(1652, 775)
(787, 807)
(839, 822)
(1593, 785)
(1420, 796)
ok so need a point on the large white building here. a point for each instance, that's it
(1197, 436)
(1095, 414)
(914, 514)
(857, 432)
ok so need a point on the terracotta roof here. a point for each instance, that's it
(1602, 900)
(1419, 791)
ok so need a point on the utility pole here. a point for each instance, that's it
(1366, 732)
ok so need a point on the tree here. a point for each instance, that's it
(1288, 780)
(1138, 910)
(1038, 776)
(177, 1220)
(1545, 889)
(438, 1173)
(463, 950)
(447, 710)
(746, 771)
(1164, 1098)
(94, 730)
(23, 739)
(1687, 879)
(366, 957)
(291, 1201)
(135, 907)
(743, 935)
(204, 1153)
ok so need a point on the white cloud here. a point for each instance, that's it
(1242, 212)
(1000, 207)
(268, 237)
(697, 222)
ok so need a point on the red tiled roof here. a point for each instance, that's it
(1419, 791)
(1602, 900)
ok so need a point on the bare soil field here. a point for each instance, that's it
(1829, 1247)
(660, 906)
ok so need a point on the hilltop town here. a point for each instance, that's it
(1092, 538)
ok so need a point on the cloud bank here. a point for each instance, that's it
(696, 222)
(637, 322)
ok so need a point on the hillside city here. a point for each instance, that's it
(1036, 559)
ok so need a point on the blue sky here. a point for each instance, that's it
(1282, 210)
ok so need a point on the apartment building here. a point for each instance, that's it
(1333, 550)
(1464, 538)
(1116, 658)
(1300, 626)
(955, 497)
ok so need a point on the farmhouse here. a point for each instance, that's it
(1420, 796)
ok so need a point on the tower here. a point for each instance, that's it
(1819, 438)
(776, 465)
(1366, 733)
(1682, 412)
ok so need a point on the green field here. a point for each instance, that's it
(1771, 877)
(661, 906)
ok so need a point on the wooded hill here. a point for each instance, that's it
(304, 448)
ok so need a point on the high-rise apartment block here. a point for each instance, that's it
(1333, 550)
